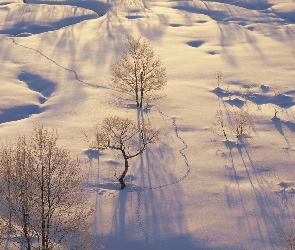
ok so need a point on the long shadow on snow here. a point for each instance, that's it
(267, 216)
(216, 15)
(26, 28)
(232, 25)
(287, 16)
(98, 7)
(248, 4)
(27, 24)
(151, 207)
(281, 100)
(218, 11)
(108, 27)
(160, 185)
(176, 242)
(279, 126)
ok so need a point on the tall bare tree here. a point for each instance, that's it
(42, 191)
(122, 134)
(17, 189)
(138, 72)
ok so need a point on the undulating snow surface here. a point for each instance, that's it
(192, 190)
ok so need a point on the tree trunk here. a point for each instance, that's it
(25, 228)
(141, 90)
(224, 134)
(9, 203)
(121, 179)
(136, 95)
(141, 98)
(43, 221)
(136, 87)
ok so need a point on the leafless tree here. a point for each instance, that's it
(220, 124)
(137, 72)
(218, 77)
(17, 188)
(42, 194)
(121, 134)
(242, 119)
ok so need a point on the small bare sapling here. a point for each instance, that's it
(242, 126)
(276, 112)
(218, 77)
(220, 124)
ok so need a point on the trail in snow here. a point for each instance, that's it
(139, 190)
(59, 65)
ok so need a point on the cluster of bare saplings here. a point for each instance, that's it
(43, 204)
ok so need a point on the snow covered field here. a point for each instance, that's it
(193, 189)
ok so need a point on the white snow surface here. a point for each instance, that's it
(192, 190)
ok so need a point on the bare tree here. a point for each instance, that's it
(243, 124)
(137, 72)
(42, 191)
(220, 124)
(218, 77)
(17, 189)
(121, 135)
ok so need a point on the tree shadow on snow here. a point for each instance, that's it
(278, 124)
(281, 100)
(98, 7)
(260, 221)
(173, 242)
(29, 24)
(148, 213)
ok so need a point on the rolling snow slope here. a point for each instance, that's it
(192, 190)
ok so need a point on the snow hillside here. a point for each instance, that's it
(193, 189)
